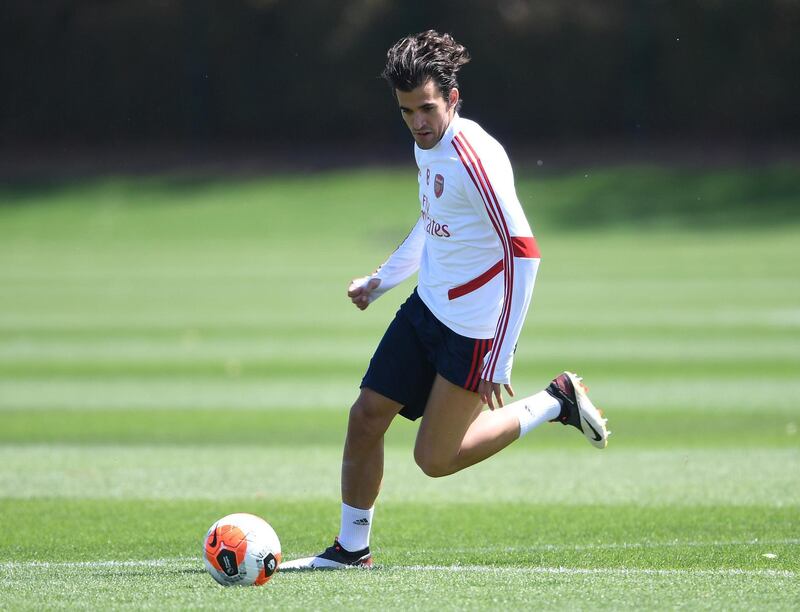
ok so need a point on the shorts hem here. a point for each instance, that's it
(456, 383)
(381, 391)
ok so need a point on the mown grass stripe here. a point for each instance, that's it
(629, 545)
(614, 571)
(643, 477)
(188, 562)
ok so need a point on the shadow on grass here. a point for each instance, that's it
(638, 196)
(657, 196)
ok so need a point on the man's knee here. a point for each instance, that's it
(371, 414)
(430, 464)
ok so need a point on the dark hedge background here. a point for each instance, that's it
(282, 72)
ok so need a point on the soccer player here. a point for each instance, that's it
(449, 350)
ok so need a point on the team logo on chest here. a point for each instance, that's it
(438, 185)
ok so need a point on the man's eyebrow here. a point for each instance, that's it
(423, 105)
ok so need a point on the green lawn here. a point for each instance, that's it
(173, 351)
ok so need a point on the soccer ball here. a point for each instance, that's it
(241, 549)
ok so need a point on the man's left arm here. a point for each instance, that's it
(518, 293)
(494, 197)
(493, 179)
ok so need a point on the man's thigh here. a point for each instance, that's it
(450, 411)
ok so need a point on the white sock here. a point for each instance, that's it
(355, 528)
(535, 410)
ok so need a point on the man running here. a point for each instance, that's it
(449, 350)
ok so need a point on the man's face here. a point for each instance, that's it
(426, 113)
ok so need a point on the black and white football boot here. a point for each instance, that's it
(334, 557)
(577, 409)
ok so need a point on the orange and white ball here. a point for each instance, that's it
(241, 549)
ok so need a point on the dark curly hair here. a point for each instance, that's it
(415, 59)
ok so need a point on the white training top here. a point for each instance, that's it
(472, 244)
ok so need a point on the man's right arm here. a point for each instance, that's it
(401, 264)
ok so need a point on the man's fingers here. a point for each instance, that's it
(358, 293)
(498, 394)
(358, 289)
(487, 391)
(491, 393)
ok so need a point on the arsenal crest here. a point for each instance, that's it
(438, 185)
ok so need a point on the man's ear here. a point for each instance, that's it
(453, 98)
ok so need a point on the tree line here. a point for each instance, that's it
(282, 71)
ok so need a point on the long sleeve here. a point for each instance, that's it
(494, 198)
(498, 362)
(401, 264)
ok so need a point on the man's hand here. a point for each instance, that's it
(488, 389)
(359, 294)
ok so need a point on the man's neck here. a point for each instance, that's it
(452, 115)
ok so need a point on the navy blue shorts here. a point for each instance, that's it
(417, 346)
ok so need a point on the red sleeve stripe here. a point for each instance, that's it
(480, 186)
(525, 247)
(464, 160)
(495, 213)
(505, 315)
(473, 164)
(463, 156)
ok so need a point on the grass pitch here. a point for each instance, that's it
(173, 352)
